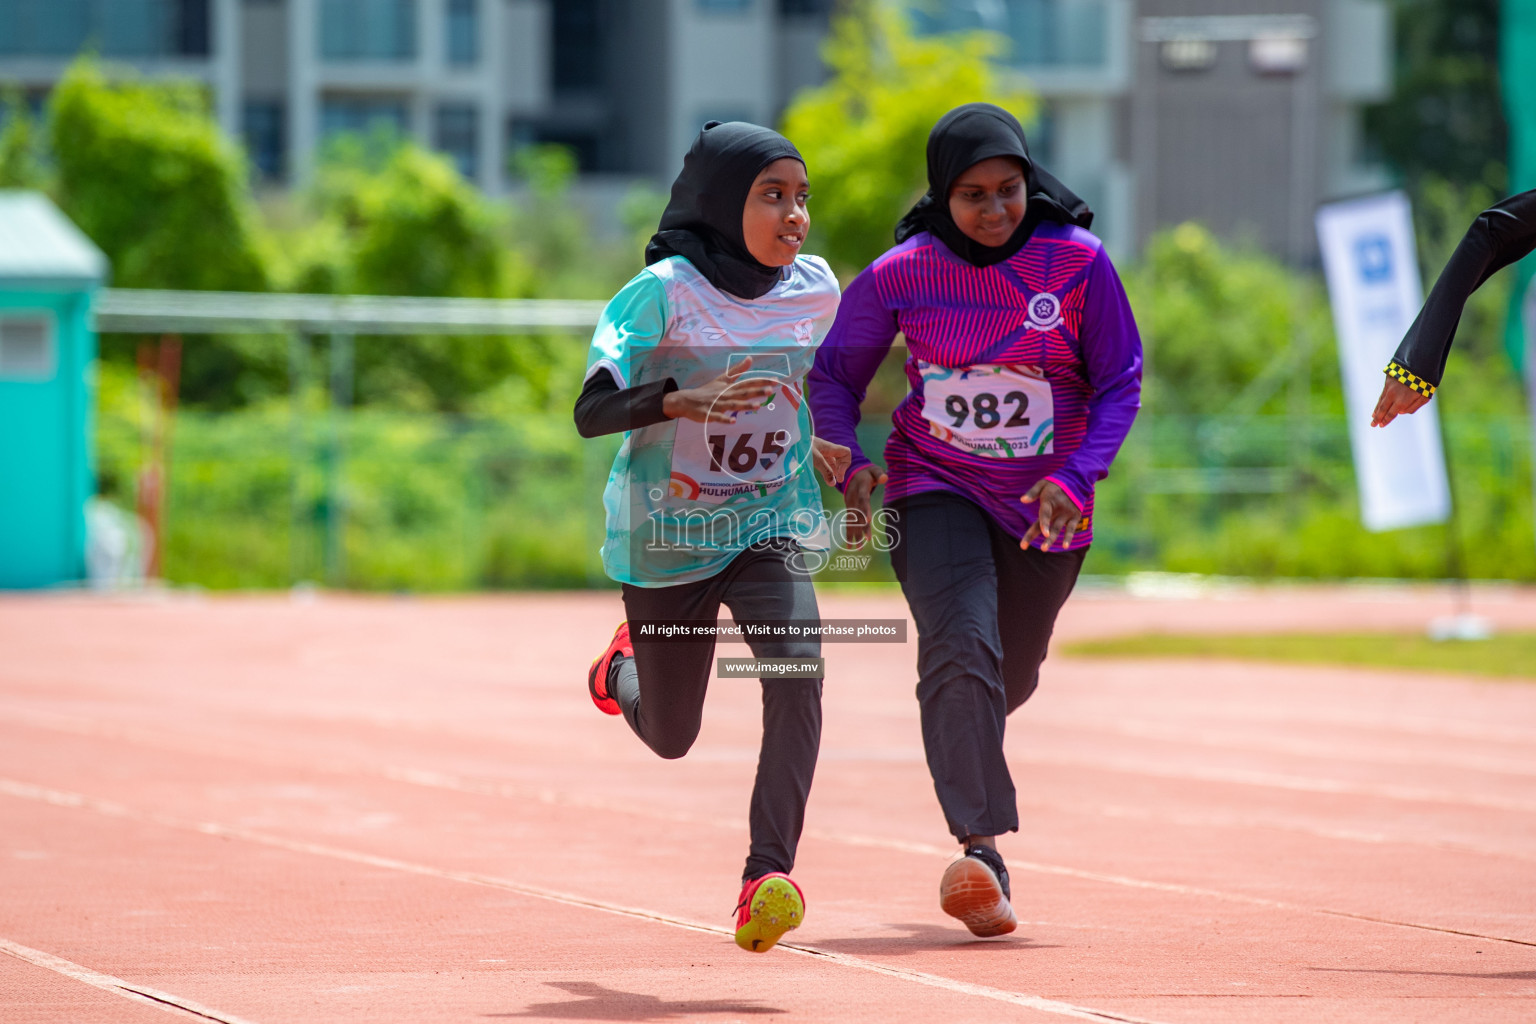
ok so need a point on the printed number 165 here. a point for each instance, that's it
(983, 411)
(743, 456)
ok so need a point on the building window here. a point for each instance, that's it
(28, 346)
(458, 135)
(578, 45)
(1042, 33)
(584, 144)
(361, 115)
(463, 31)
(264, 137)
(113, 28)
(368, 29)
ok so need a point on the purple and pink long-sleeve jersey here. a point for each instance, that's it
(1056, 306)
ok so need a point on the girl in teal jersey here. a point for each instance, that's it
(700, 361)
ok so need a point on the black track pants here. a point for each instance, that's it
(662, 691)
(984, 610)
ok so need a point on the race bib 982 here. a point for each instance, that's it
(997, 410)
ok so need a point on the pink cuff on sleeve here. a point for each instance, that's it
(1062, 484)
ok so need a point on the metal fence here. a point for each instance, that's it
(379, 499)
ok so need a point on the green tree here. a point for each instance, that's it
(1227, 330)
(21, 164)
(865, 131)
(391, 218)
(145, 172)
(1445, 118)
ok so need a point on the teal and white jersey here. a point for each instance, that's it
(684, 498)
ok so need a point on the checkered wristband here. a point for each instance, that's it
(1400, 373)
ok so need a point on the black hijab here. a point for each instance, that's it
(702, 220)
(963, 138)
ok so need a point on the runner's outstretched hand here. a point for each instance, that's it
(721, 399)
(856, 496)
(1396, 399)
(832, 460)
(1059, 518)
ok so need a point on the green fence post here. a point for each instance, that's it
(335, 489)
(298, 350)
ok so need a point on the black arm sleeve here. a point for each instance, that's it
(1502, 234)
(604, 408)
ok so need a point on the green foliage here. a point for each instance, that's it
(1228, 330)
(1505, 655)
(386, 217)
(21, 161)
(144, 171)
(563, 254)
(505, 495)
(864, 133)
(1445, 117)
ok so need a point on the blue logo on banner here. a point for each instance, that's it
(1373, 255)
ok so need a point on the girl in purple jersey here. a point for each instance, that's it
(1025, 371)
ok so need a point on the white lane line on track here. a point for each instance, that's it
(1272, 780)
(78, 801)
(1129, 766)
(117, 986)
(1287, 745)
(75, 800)
(509, 791)
(440, 780)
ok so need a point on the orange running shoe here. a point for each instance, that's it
(975, 889)
(769, 907)
(597, 675)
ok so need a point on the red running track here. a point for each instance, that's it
(350, 809)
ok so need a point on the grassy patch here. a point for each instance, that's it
(1507, 655)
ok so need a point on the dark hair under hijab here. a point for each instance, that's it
(702, 221)
(963, 138)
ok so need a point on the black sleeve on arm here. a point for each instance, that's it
(604, 408)
(1502, 234)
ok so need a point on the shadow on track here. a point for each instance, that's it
(599, 1003)
(1499, 976)
(922, 938)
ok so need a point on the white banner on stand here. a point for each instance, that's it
(1373, 280)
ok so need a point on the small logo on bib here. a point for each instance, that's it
(805, 331)
(1044, 312)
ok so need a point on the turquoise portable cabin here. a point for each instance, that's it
(49, 271)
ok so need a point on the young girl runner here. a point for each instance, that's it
(1025, 371)
(700, 360)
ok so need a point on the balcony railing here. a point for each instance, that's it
(113, 28)
(1044, 35)
(368, 30)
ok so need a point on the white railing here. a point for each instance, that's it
(143, 311)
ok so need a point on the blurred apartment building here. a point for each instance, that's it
(1244, 114)
(625, 83)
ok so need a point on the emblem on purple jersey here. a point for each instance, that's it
(1044, 312)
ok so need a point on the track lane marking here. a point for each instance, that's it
(62, 798)
(1239, 777)
(179, 744)
(78, 801)
(440, 780)
(117, 986)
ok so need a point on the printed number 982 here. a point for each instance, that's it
(983, 409)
